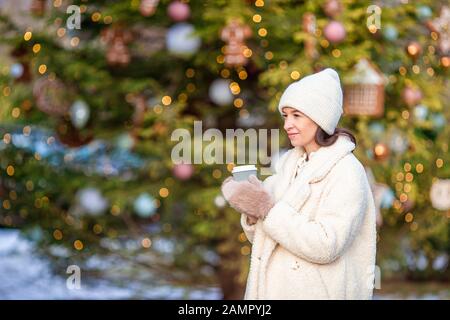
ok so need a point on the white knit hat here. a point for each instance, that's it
(319, 96)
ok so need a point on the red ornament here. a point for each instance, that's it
(183, 171)
(334, 32)
(178, 11)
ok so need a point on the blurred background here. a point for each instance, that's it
(91, 91)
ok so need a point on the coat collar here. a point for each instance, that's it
(325, 158)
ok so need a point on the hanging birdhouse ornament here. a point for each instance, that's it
(309, 26)
(441, 25)
(234, 34)
(364, 90)
(117, 40)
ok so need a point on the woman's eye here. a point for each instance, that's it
(283, 115)
(297, 115)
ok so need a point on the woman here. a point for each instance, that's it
(312, 223)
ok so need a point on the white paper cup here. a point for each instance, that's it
(241, 173)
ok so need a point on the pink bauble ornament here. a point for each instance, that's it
(183, 171)
(178, 11)
(412, 96)
(334, 32)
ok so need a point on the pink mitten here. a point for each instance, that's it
(248, 197)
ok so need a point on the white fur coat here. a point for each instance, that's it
(319, 240)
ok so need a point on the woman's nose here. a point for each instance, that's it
(287, 123)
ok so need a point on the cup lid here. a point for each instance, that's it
(250, 167)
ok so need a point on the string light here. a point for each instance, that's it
(295, 75)
(262, 32)
(336, 53)
(268, 55)
(10, 170)
(146, 243)
(166, 100)
(6, 138)
(164, 192)
(238, 103)
(439, 163)
(257, 18)
(242, 74)
(409, 217)
(36, 48)
(419, 168)
(245, 250)
(78, 245)
(235, 89)
(190, 73)
(115, 210)
(225, 73)
(216, 173)
(57, 234)
(42, 68)
(27, 36)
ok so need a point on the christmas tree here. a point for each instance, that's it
(92, 92)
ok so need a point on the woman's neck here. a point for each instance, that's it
(310, 147)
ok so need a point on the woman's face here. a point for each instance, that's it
(301, 129)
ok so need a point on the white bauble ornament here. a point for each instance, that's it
(79, 114)
(440, 194)
(181, 40)
(220, 92)
(92, 201)
(144, 205)
(16, 70)
(219, 201)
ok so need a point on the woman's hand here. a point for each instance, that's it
(248, 197)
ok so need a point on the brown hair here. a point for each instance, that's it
(324, 139)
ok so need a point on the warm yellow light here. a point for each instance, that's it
(164, 192)
(257, 18)
(57, 234)
(36, 48)
(10, 170)
(78, 245)
(234, 87)
(42, 68)
(190, 73)
(96, 16)
(238, 103)
(262, 32)
(27, 36)
(15, 112)
(242, 74)
(409, 217)
(146, 243)
(295, 75)
(268, 55)
(166, 100)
